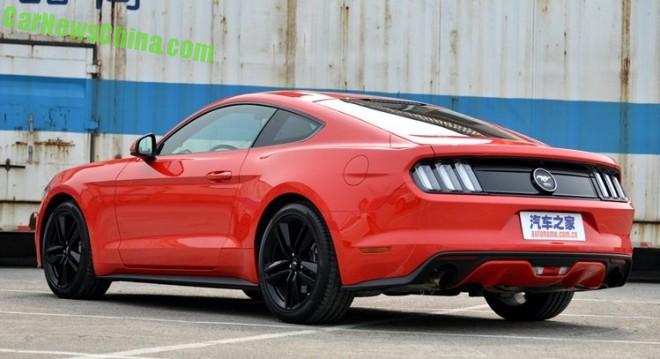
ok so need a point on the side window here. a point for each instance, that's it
(286, 127)
(227, 128)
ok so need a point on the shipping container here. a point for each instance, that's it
(575, 74)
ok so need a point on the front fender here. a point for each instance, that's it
(92, 189)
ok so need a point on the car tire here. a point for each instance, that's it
(254, 294)
(528, 306)
(67, 255)
(298, 271)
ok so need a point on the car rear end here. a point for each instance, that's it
(486, 209)
(501, 230)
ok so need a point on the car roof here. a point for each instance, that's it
(308, 102)
(311, 96)
(338, 96)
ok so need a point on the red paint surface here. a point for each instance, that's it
(519, 274)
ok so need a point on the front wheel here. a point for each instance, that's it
(67, 256)
(299, 276)
(528, 306)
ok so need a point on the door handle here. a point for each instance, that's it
(218, 176)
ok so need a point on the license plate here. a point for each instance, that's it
(552, 226)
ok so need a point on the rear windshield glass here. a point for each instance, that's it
(417, 119)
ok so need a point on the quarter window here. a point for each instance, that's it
(286, 127)
(227, 128)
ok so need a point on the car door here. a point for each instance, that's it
(177, 210)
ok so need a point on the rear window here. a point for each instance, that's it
(286, 127)
(406, 118)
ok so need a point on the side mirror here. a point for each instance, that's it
(144, 147)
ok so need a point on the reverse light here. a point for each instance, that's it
(552, 271)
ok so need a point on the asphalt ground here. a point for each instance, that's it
(156, 321)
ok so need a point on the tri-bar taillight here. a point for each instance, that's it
(446, 176)
(514, 177)
(608, 185)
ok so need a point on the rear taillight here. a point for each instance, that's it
(609, 187)
(446, 176)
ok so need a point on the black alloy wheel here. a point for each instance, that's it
(298, 270)
(67, 259)
(291, 266)
(63, 249)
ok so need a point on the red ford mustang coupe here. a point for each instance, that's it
(306, 200)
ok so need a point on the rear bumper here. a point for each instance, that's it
(463, 271)
(394, 236)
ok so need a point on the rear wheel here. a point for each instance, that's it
(528, 306)
(299, 276)
(67, 256)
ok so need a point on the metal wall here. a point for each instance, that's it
(577, 74)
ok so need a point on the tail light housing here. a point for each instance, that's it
(514, 176)
(446, 176)
(608, 185)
